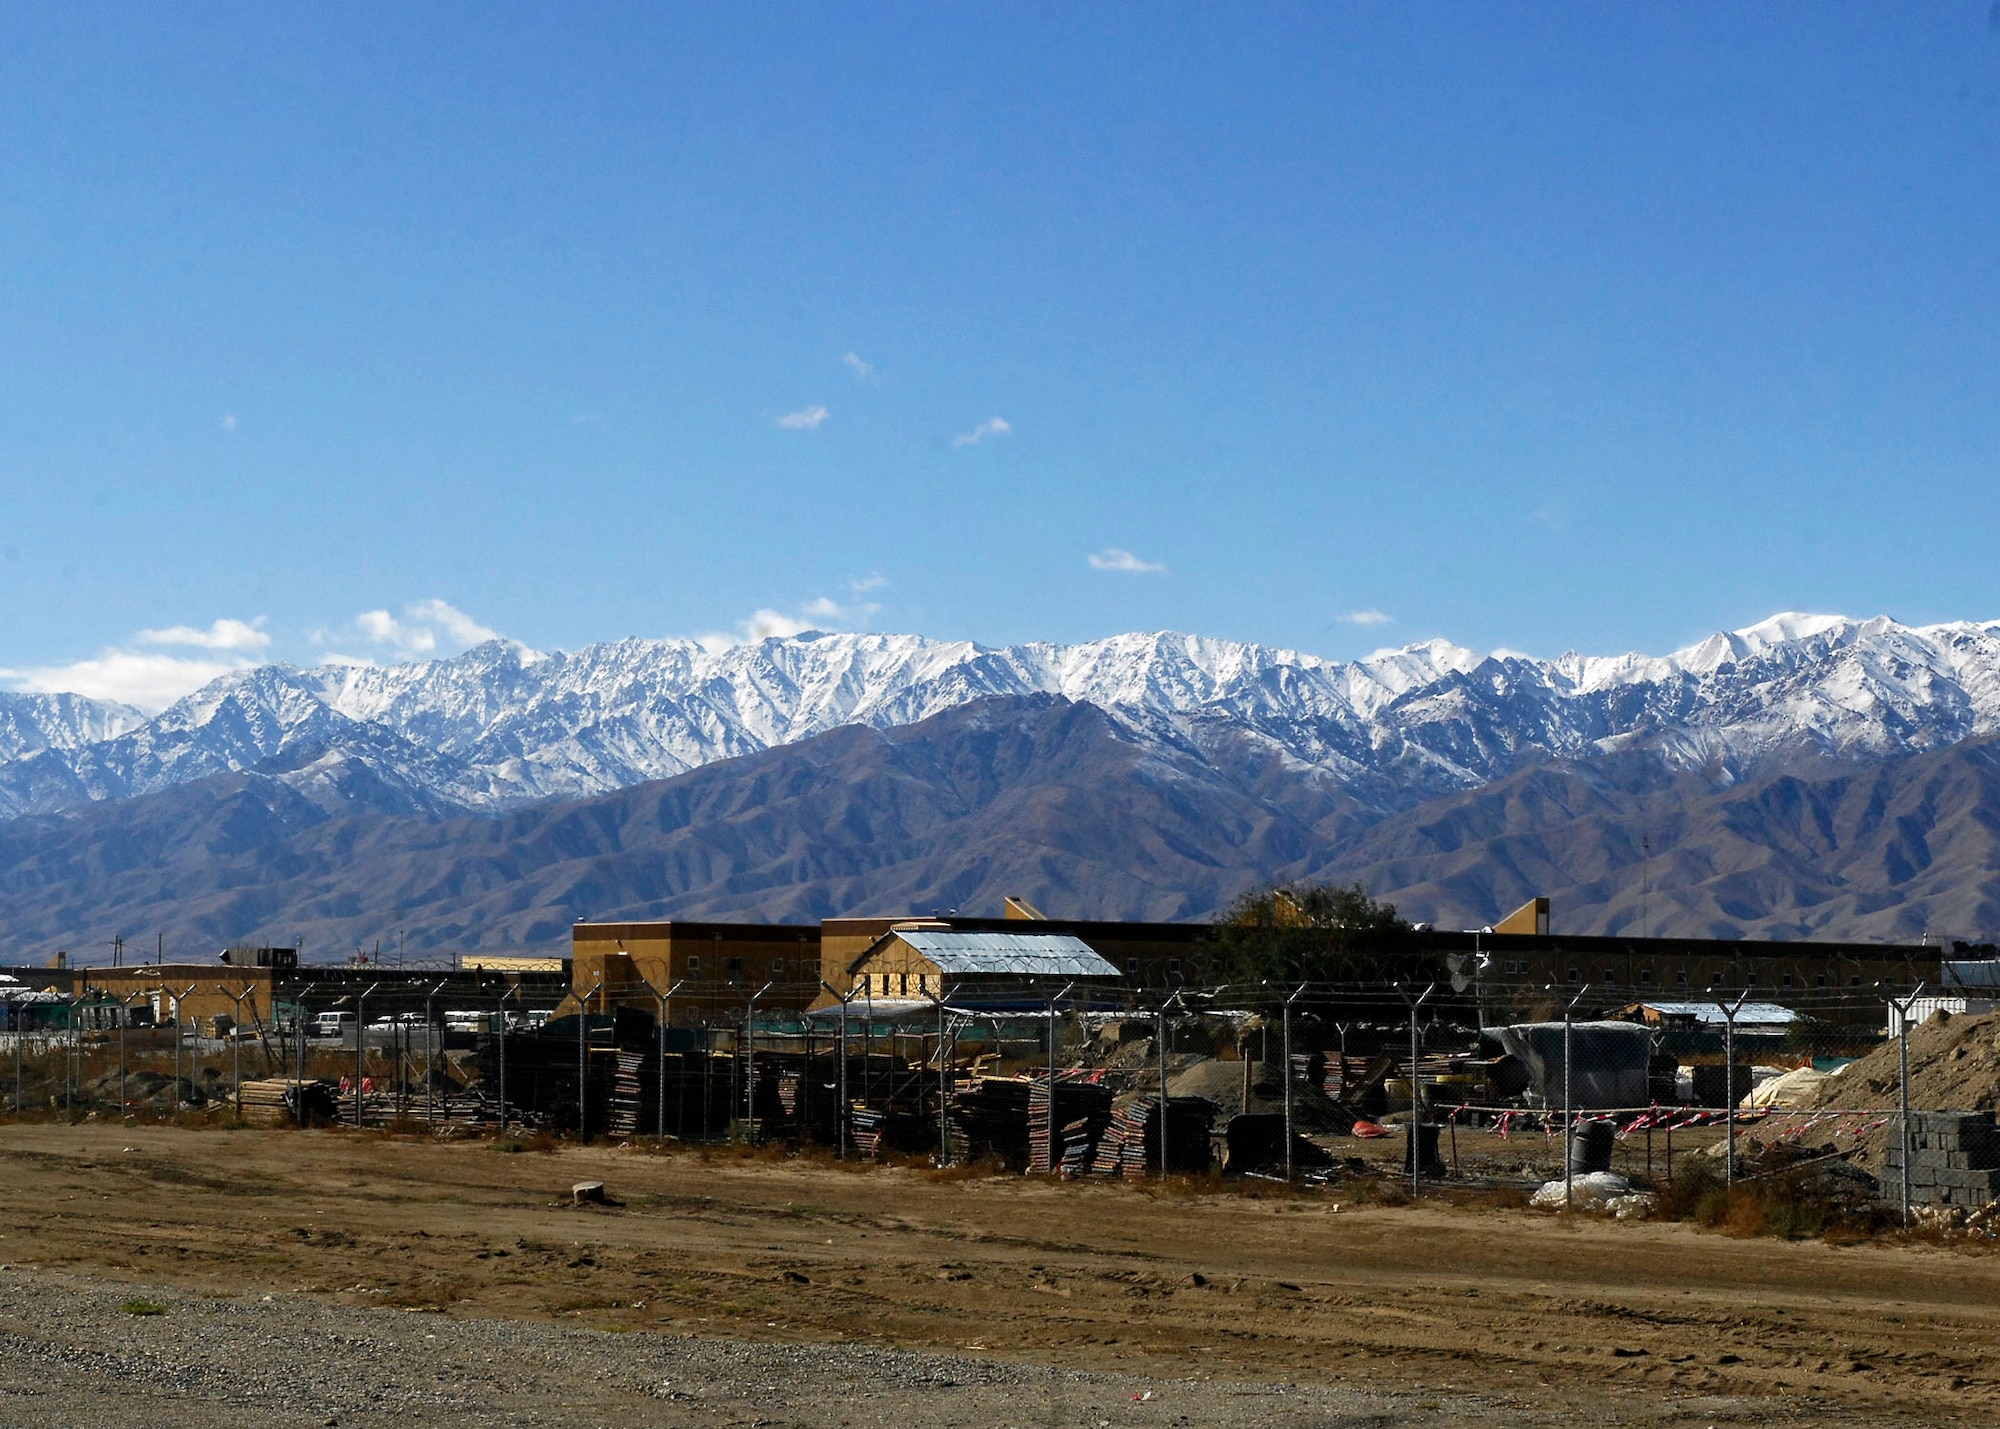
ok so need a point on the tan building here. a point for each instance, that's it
(936, 962)
(185, 992)
(715, 966)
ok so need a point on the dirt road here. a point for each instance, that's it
(1450, 1312)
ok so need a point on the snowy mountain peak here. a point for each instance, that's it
(502, 723)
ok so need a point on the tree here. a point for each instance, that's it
(1318, 933)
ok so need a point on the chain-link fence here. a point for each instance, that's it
(1430, 1086)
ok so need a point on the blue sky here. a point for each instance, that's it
(373, 329)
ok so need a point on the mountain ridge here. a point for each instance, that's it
(501, 726)
(1064, 803)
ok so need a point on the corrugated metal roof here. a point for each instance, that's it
(1708, 1013)
(1008, 954)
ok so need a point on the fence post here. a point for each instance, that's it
(1160, 1040)
(1729, 1012)
(582, 1067)
(432, 1039)
(1416, 1083)
(1055, 1159)
(1569, 1097)
(944, 1096)
(1288, 1078)
(756, 1127)
(840, 1132)
(660, 1089)
(500, 1031)
(1903, 1086)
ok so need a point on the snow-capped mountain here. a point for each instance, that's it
(502, 724)
(30, 723)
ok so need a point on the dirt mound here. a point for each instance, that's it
(147, 1089)
(1222, 1083)
(1954, 1065)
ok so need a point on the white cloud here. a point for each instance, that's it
(991, 427)
(222, 635)
(228, 421)
(424, 627)
(861, 367)
(1365, 617)
(819, 613)
(806, 419)
(145, 678)
(455, 622)
(1117, 558)
(150, 679)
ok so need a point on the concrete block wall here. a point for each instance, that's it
(1954, 1158)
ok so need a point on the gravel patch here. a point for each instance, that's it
(85, 1351)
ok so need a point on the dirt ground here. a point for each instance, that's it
(1553, 1317)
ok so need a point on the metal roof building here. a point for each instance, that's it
(931, 961)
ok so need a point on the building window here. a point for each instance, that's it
(694, 967)
(1645, 977)
(1750, 981)
(1715, 979)
(1575, 976)
(1819, 980)
(1854, 981)
(1681, 978)
(1786, 980)
(777, 968)
(904, 986)
(1610, 977)
(736, 969)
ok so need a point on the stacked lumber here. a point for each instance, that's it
(989, 1119)
(1080, 1112)
(272, 1101)
(622, 1107)
(1130, 1145)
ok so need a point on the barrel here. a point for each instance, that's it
(1421, 1153)
(1590, 1147)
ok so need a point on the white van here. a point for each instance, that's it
(331, 1024)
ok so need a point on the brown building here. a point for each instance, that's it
(715, 967)
(185, 993)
